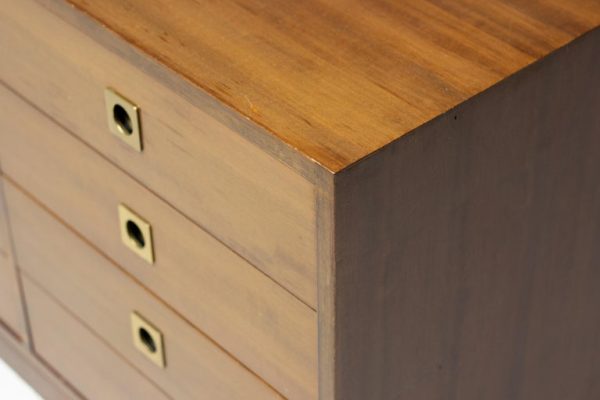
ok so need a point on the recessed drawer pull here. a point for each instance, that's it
(123, 118)
(148, 339)
(136, 233)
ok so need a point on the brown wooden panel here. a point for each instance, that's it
(326, 316)
(467, 263)
(246, 312)
(339, 79)
(247, 199)
(11, 309)
(103, 297)
(85, 360)
(34, 371)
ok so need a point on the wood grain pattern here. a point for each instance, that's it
(34, 371)
(457, 262)
(102, 297)
(11, 309)
(247, 199)
(340, 79)
(81, 357)
(467, 257)
(263, 325)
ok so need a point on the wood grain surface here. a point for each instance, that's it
(250, 315)
(88, 285)
(457, 262)
(85, 360)
(34, 371)
(11, 308)
(339, 79)
(253, 203)
(467, 258)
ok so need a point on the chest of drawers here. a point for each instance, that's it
(335, 200)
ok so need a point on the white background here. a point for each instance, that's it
(12, 387)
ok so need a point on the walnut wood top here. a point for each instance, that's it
(339, 79)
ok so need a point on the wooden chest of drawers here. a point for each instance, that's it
(337, 200)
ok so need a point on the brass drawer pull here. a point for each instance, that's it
(123, 118)
(148, 339)
(136, 233)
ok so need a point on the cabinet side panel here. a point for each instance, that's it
(467, 257)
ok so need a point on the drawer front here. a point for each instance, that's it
(250, 201)
(103, 297)
(247, 313)
(90, 365)
(11, 311)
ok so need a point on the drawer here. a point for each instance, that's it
(11, 311)
(85, 360)
(246, 198)
(247, 313)
(103, 297)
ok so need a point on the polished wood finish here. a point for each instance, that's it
(245, 198)
(348, 199)
(340, 79)
(251, 316)
(467, 257)
(195, 363)
(11, 309)
(81, 357)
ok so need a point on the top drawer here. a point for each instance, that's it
(250, 201)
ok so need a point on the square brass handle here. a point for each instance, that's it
(147, 339)
(136, 233)
(123, 118)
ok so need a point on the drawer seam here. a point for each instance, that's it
(135, 280)
(14, 264)
(43, 366)
(10, 331)
(89, 329)
(213, 236)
